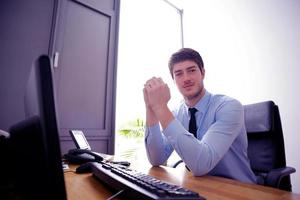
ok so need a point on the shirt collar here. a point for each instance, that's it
(202, 104)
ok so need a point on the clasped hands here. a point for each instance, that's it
(156, 94)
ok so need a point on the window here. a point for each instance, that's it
(149, 34)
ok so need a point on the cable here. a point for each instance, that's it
(4, 134)
(67, 171)
(115, 195)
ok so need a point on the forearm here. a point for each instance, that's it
(151, 119)
(157, 147)
(156, 97)
(164, 115)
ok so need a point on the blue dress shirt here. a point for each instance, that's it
(220, 148)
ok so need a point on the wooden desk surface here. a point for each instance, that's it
(84, 186)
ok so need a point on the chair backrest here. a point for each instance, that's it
(265, 138)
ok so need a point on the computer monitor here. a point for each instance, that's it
(34, 142)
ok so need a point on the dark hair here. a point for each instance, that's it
(183, 55)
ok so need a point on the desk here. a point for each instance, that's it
(84, 186)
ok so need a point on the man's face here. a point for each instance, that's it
(188, 78)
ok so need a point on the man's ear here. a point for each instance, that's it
(203, 72)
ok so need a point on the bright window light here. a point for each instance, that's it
(149, 33)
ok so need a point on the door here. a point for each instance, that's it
(84, 58)
(25, 34)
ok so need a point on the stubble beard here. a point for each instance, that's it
(194, 96)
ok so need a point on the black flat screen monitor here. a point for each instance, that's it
(36, 154)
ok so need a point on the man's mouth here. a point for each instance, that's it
(187, 86)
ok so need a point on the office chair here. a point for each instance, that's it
(266, 145)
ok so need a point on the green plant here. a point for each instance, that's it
(130, 138)
(133, 129)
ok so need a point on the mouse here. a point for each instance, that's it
(84, 168)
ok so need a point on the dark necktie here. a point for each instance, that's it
(192, 124)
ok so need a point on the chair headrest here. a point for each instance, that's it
(258, 116)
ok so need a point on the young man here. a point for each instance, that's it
(219, 146)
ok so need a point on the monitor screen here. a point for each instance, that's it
(35, 145)
(79, 139)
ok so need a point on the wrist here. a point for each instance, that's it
(158, 110)
(163, 114)
(151, 119)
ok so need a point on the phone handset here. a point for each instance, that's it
(97, 157)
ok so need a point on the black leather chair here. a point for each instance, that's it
(266, 145)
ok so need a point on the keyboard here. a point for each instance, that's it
(131, 184)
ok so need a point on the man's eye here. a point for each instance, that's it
(178, 74)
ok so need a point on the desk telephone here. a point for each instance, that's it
(83, 153)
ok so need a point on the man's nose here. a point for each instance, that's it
(185, 77)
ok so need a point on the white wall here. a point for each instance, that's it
(251, 51)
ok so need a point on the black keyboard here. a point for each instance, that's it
(132, 184)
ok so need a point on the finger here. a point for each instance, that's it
(157, 81)
(166, 85)
(145, 96)
(153, 82)
(148, 86)
(152, 79)
(145, 92)
(150, 82)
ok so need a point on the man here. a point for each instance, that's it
(219, 146)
